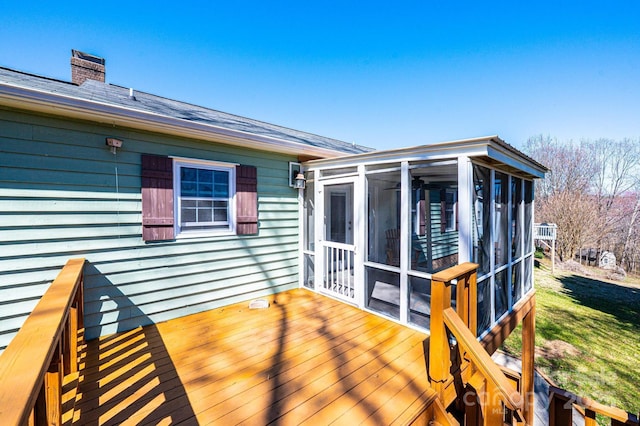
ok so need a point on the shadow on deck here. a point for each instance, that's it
(130, 378)
(305, 359)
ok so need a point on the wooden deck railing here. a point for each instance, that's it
(42, 352)
(561, 410)
(451, 375)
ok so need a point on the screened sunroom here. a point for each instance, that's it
(377, 226)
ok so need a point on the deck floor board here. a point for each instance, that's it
(307, 359)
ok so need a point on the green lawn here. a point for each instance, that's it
(587, 336)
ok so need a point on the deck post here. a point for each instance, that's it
(553, 257)
(439, 355)
(528, 354)
(467, 300)
(462, 300)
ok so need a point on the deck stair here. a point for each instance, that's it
(461, 370)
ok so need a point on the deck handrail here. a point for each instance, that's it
(560, 409)
(475, 365)
(482, 360)
(43, 350)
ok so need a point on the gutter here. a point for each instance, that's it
(72, 107)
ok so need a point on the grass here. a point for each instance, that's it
(587, 336)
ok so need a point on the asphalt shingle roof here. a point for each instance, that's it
(118, 96)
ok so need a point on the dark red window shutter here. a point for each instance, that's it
(246, 200)
(157, 198)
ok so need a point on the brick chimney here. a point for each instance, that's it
(86, 67)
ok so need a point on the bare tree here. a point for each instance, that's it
(617, 166)
(631, 244)
(563, 196)
(571, 167)
(574, 215)
(592, 193)
(617, 169)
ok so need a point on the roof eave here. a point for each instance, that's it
(489, 146)
(507, 155)
(72, 107)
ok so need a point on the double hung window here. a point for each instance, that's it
(192, 198)
(204, 196)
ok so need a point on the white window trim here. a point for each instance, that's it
(451, 226)
(179, 162)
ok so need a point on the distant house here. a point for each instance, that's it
(602, 259)
(607, 260)
(180, 209)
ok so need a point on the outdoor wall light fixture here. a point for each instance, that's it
(299, 182)
(114, 144)
(296, 177)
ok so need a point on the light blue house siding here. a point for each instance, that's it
(444, 243)
(63, 194)
(437, 247)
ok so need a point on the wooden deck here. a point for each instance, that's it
(307, 359)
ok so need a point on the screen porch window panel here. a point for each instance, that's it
(383, 224)
(501, 224)
(516, 221)
(481, 218)
(528, 217)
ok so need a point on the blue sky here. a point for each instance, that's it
(381, 74)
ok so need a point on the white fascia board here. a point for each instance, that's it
(490, 146)
(511, 159)
(68, 106)
(437, 151)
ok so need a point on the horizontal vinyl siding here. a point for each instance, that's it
(442, 243)
(58, 200)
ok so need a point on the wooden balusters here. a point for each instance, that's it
(494, 391)
(45, 348)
